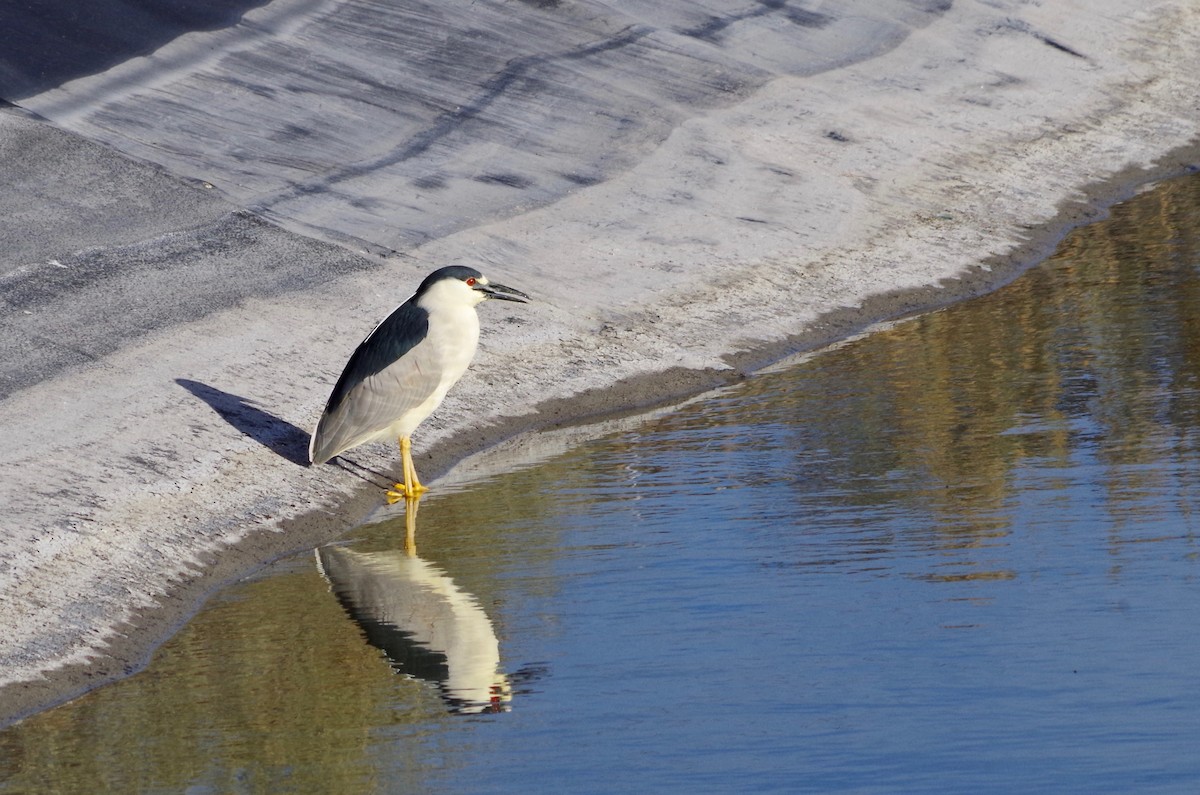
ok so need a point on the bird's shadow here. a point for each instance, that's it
(262, 426)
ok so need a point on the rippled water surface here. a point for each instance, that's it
(959, 554)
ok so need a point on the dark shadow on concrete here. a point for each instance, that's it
(263, 427)
(46, 43)
(373, 476)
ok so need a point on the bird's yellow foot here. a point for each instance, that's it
(402, 492)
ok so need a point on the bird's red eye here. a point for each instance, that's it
(470, 281)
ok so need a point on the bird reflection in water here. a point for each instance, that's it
(427, 626)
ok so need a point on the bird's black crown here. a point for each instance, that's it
(460, 272)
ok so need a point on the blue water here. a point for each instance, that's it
(959, 554)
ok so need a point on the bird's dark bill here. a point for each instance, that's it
(505, 293)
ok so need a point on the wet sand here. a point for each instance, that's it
(178, 305)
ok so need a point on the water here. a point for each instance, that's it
(958, 554)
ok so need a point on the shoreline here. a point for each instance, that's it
(135, 643)
(181, 345)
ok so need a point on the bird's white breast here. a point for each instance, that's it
(450, 342)
(454, 334)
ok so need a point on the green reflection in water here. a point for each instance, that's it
(1062, 383)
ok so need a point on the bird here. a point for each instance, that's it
(402, 371)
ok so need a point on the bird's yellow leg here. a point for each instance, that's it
(415, 489)
(411, 487)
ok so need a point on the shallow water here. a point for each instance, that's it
(960, 553)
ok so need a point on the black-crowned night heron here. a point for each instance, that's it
(403, 369)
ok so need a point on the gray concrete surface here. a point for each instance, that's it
(197, 232)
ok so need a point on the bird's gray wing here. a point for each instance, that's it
(390, 373)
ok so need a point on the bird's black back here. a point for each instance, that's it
(392, 338)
